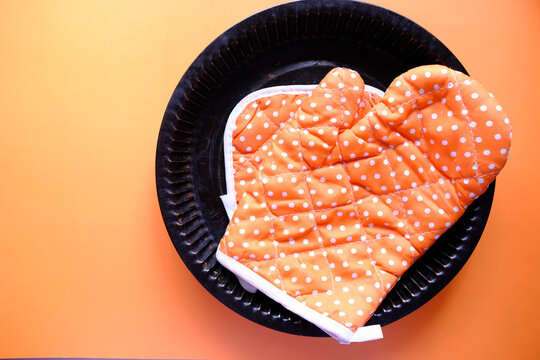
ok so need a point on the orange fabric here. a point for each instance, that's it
(263, 117)
(335, 206)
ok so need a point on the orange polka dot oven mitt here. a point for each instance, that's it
(334, 191)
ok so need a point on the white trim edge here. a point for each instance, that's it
(333, 328)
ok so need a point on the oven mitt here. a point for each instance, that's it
(330, 216)
(257, 117)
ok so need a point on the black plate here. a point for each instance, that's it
(295, 43)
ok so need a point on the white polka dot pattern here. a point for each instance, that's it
(339, 192)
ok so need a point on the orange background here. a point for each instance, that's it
(86, 266)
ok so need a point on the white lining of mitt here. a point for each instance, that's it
(249, 279)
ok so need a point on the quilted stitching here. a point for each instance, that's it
(337, 201)
(259, 121)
